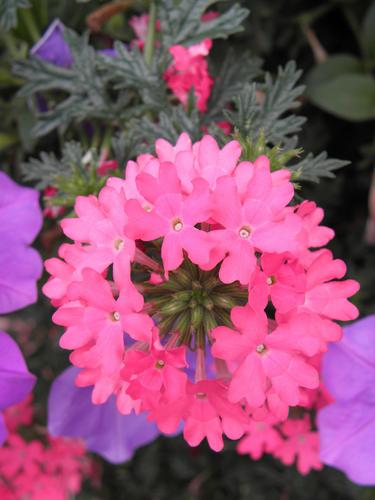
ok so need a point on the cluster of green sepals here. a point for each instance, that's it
(192, 302)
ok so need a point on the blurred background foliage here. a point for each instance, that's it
(333, 42)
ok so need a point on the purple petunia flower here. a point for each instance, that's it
(21, 266)
(15, 380)
(53, 48)
(105, 431)
(347, 426)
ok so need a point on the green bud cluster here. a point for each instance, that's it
(192, 302)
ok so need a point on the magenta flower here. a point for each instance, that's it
(15, 380)
(33, 470)
(206, 412)
(347, 426)
(189, 70)
(20, 222)
(300, 444)
(195, 292)
(103, 429)
(260, 438)
(265, 363)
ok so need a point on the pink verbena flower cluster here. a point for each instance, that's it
(195, 291)
(189, 69)
(36, 471)
(293, 440)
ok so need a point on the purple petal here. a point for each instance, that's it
(20, 214)
(52, 47)
(349, 365)
(16, 382)
(20, 269)
(108, 52)
(347, 439)
(114, 436)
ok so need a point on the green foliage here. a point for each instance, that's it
(264, 123)
(169, 125)
(349, 96)
(181, 21)
(368, 34)
(313, 168)
(233, 73)
(129, 71)
(75, 174)
(262, 107)
(340, 86)
(8, 12)
(83, 86)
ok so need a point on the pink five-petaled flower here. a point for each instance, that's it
(262, 361)
(249, 225)
(96, 323)
(100, 223)
(63, 271)
(155, 373)
(300, 443)
(260, 438)
(173, 217)
(189, 70)
(280, 279)
(207, 414)
(203, 161)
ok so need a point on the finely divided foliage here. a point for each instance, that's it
(124, 92)
(8, 12)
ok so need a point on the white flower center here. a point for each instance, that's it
(116, 316)
(119, 244)
(260, 348)
(177, 225)
(244, 232)
(160, 364)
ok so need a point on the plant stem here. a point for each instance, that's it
(150, 40)
(27, 17)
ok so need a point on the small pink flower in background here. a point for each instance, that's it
(19, 415)
(189, 70)
(107, 166)
(140, 25)
(37, 471)
(50, 210)
(53, 467)
(300, 444)
(260, 438)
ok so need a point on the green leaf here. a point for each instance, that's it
(349, 96)
(312, 168)
(128, 70)
(263, 107)
(169, 125)
(7, 140)
(332, 67)
(234, 72)
(8, 12)
(181, 21)
(368, 32)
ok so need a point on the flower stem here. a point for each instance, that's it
(150, 40)
(27, 17)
